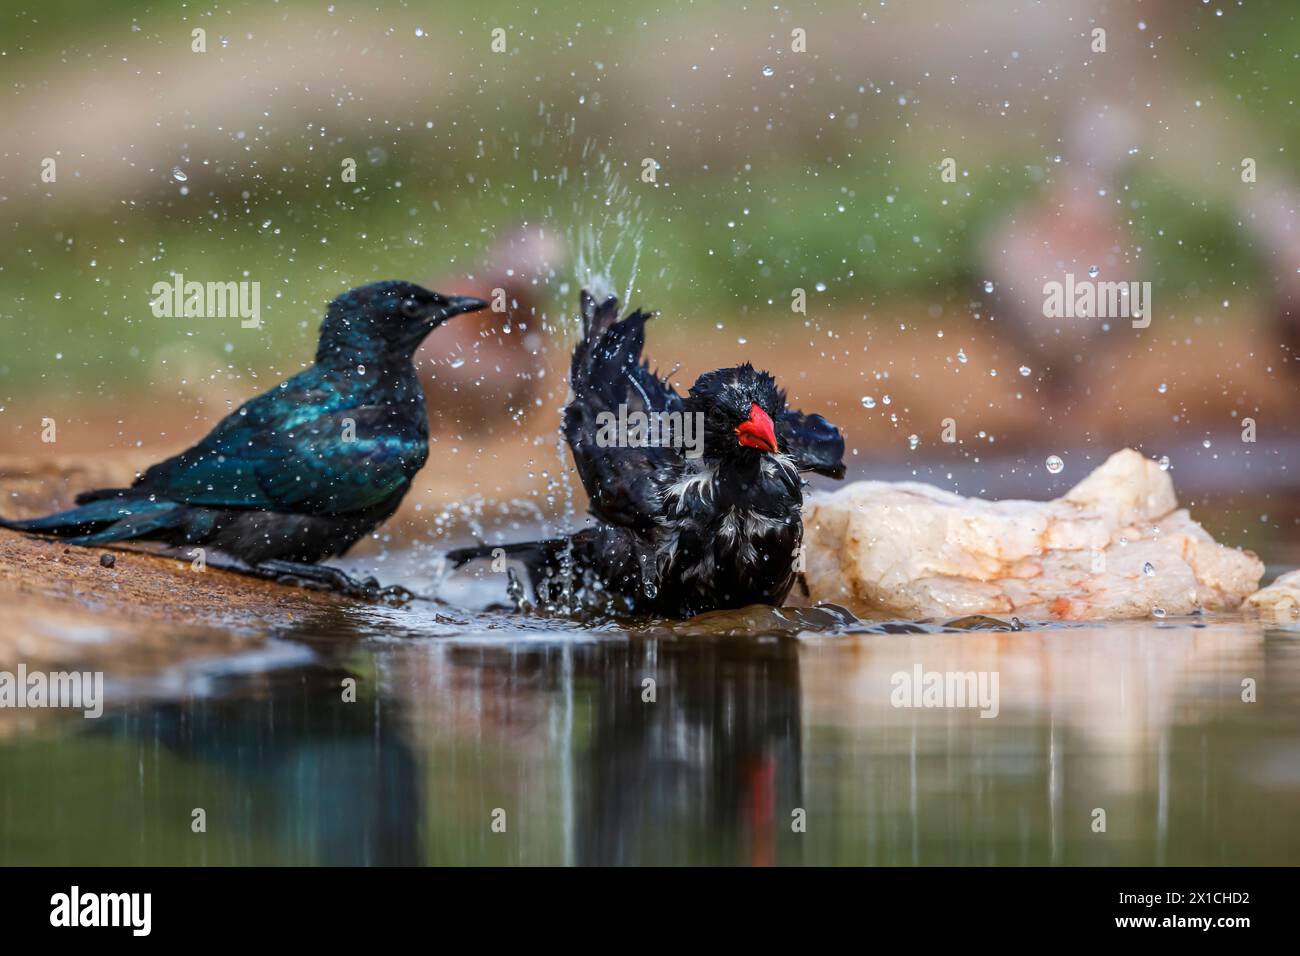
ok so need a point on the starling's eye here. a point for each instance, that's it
(410, 308)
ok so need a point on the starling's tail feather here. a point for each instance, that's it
(100, 494)
(105, 521)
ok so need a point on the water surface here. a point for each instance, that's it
(761, 720)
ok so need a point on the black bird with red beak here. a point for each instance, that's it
(682, 525)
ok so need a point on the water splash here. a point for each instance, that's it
(607, 240)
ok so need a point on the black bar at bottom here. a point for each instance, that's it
(330, 905)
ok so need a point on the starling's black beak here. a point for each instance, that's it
(451, 305)
(456, 304)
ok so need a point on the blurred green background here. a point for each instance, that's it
(823, 174)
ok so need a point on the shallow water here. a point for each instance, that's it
(760, 719)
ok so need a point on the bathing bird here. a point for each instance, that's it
(301, 472)
(706, 515)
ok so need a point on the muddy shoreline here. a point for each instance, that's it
(59, 605)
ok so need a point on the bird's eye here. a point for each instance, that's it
(410, 308)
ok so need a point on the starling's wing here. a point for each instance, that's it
(610, 384)
(813, 442)
(344, 461)
(296, 450)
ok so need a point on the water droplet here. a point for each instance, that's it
(1149, 569)
(1094, 271)
(1157, 612)
(988, 285)
(913, 441)
(178, 174)
(361, 370)
(868, 401)
(768, 71)
(1206, 443)
(1025, 370)
(961, 356)
(1162, 388)
(1163, 462)
(514, 588)
(1054, 464)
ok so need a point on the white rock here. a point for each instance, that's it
(1281, 598)
(913, 550)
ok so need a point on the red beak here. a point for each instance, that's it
(757, 432)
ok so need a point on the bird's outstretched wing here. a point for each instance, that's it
(610, 380)
(813, 442)
(292, 450)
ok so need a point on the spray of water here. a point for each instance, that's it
(606, 238)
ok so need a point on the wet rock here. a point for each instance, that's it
(1281, 598)
(107, 560)
(1115, 546)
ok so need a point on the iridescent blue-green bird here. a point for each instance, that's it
(303, 471)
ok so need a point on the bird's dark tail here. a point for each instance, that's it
(609, 347)
(562, 574)
(538, 557)
(104, 520)
(596, 569)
